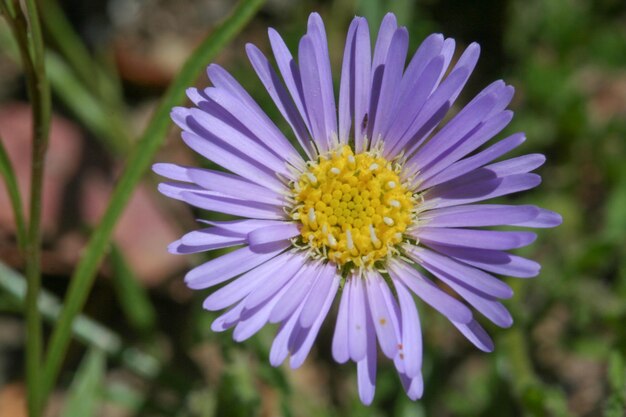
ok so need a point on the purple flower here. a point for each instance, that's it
(375, 204)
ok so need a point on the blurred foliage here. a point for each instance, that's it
(566, 353)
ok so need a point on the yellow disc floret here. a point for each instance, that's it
(353, 208)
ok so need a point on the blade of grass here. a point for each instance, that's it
(27, 33)
(7, 172)
(86, 330)
(137, 164)
(131, 295)
(86, 389)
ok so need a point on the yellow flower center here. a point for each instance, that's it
(353, 208)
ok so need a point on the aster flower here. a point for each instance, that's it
(374, 206)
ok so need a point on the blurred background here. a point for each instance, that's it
(144, 347)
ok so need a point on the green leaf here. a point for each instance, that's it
(131, 295)
(85, 391)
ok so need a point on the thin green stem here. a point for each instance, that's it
(7, 172)
(27, 33)
(137, 163)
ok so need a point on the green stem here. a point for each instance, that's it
(137, 163)
(7, 172)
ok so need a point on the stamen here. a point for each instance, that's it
(394, 203)
(391, 185)
(350, 242)
(374, 238)
(311, 178)
(312, 215)
(388, 221)
(331, 240)
(335, 171)
(374, 167)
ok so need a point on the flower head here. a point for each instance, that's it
(376, 200)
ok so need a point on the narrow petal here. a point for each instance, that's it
(545, 218)
(292, 299)
(414, 387)
(479, 215)
(274, 233)
(340, 347)
(290, 73)
(234, 186)
(432, 295)
(239, 288)
(219, 203)
(366, 368)
(383, 317)
(391, 78)
(227, 266)
(233, 160)
(476, 334)
(462, 273)
(455, 192)
(280, 346)
(276, 282)
(475, 161)
(281, 98)
(205, 240)
(411, 350)
(300, 354)
(357, 336)
(491, 260)
(172, 171)
(317, 296)
(480, 239)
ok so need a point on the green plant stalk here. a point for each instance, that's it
(6, 170)
(137, 163)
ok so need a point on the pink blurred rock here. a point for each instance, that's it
(62, 161)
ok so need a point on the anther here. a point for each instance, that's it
(374, 167)
(391, 184)
(335, 171)
(388, 221)
(374, 238)
(394, 203)
(311, 215)
(331, 240)
(349, 240)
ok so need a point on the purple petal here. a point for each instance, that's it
(230, 265)
(233, 159)
(391, 77)
(476, 334)
(486, 305)
(281, 98)
(300, 354)
(432, 295)
(240, 226)
(246, 283)
(457, 192)
(491, 260)
(292, 299)
(476, 161)
(385, 321)
(219, 203)
(291, 74)
(366, 368)
(478, 215)
(340, 347)
(206, 240)
(545, 218)
(414, 387)
(318, 294)
(209, 125)
(411, 350)
(276, 282)
(355, 83)
(357, 320)
(274, 233)
(234, 186)
(280, 347)
(172, 171)
(480, 239)
(467, 275)
(262, 130)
